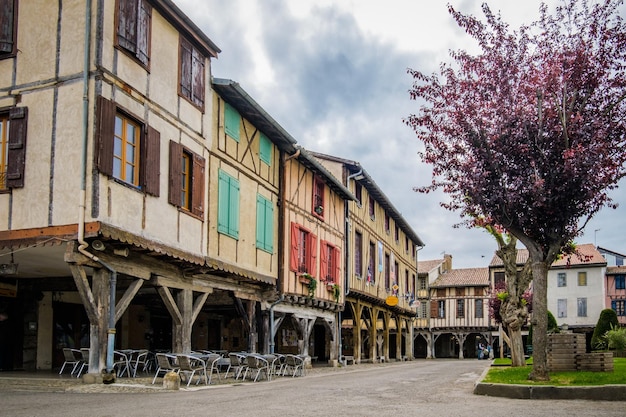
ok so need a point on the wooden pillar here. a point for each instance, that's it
(253, 335)
(373, 313)
(399, 322)
(356, 330)
(181, 332)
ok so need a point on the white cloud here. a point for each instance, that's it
(333, 74)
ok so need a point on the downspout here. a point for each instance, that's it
(83, 187)
(346, 264)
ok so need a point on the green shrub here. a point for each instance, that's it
(607, 320)
(616, 338)
(553, 326)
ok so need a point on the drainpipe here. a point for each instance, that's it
(280, 300)
(346, 264)
(82, 195)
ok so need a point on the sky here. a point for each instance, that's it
(333, 73)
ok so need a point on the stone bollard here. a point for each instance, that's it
(171, 381)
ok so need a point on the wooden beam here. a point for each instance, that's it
(126, 299)
(178, 283)
(171, 305)
(82, 284)
(197, 305)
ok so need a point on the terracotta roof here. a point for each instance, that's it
(589, 255)
(586, 254)
(612, 270)
(424, 267)
(467, 277)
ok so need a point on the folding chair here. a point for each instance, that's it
(165, 364)
(73, 358)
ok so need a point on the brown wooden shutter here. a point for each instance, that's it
(105, 131)
(18, 117)
(197, 184)
(434, 311)
(185, 68)
(176, 169)
(197, 88)
(337, 256)
(127, 24)
(151, 162)
(7, 26)
(293, 253)
(143, 32)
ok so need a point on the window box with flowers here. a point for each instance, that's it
(335, 290)
(310, 282)
(319, 210)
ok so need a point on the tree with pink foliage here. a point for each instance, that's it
(529, 133)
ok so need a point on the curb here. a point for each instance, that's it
(547, 392)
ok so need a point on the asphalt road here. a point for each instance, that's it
(438, 387)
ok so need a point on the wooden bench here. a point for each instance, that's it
(347, 359)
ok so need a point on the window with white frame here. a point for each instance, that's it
(582, 307)
(562, 279)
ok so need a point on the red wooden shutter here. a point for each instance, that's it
(16, 163)
(312, 267)
(7, 26)
(176, 157)
(323, 259)
(197, 184)
(151, 162)
(293, 254)
(105, 130)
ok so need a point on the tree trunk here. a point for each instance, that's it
(540, 320)
(514, 315)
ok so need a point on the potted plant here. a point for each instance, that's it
(336, 290)
(310, 282)
(319, 210)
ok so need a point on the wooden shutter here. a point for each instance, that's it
(197, 78)
(337, 256)
(105, 130)
(293, 253)
(16, 163)
(185, 68)
(233, 211)
(312, 267)
(143, 32)
(260, 222)
(222, 202)
(434, 310)
(7, 26)
(176, 157)
(149, 172)
(197, 185)
(127, 24)
(323, 259)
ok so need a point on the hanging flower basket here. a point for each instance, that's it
(319, 210)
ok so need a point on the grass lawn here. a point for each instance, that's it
(502, 374)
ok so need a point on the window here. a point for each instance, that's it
(264, 224)
(303, 254)
(498, 278)
(413, 285)
(127, 149)
(562, 279)
(422, 311)
(619, 306)
(441, 309)
(133, 29)
(191, 74)
(396, 233)
(358, 193)
(620, 282)
(582, 307)
(421, 283)
(582, 279)
(232, 120)
(330, 262)
(460, 308)
(407, 288)
(406, 244)
(228, 205)
(265, 149)
(478, 309)
(372, 205)
(186, 179)
(318, 197)
(8, 28)
(387, 227)
(13, 147)
(358, 254)
(562, 308)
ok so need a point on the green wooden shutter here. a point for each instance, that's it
(228, 205)
(264, 224)
(231, 121)
(265, 149)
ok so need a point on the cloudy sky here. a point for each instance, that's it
(333, 74)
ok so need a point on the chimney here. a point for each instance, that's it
(447, 262)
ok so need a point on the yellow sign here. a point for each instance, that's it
(392, 300)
